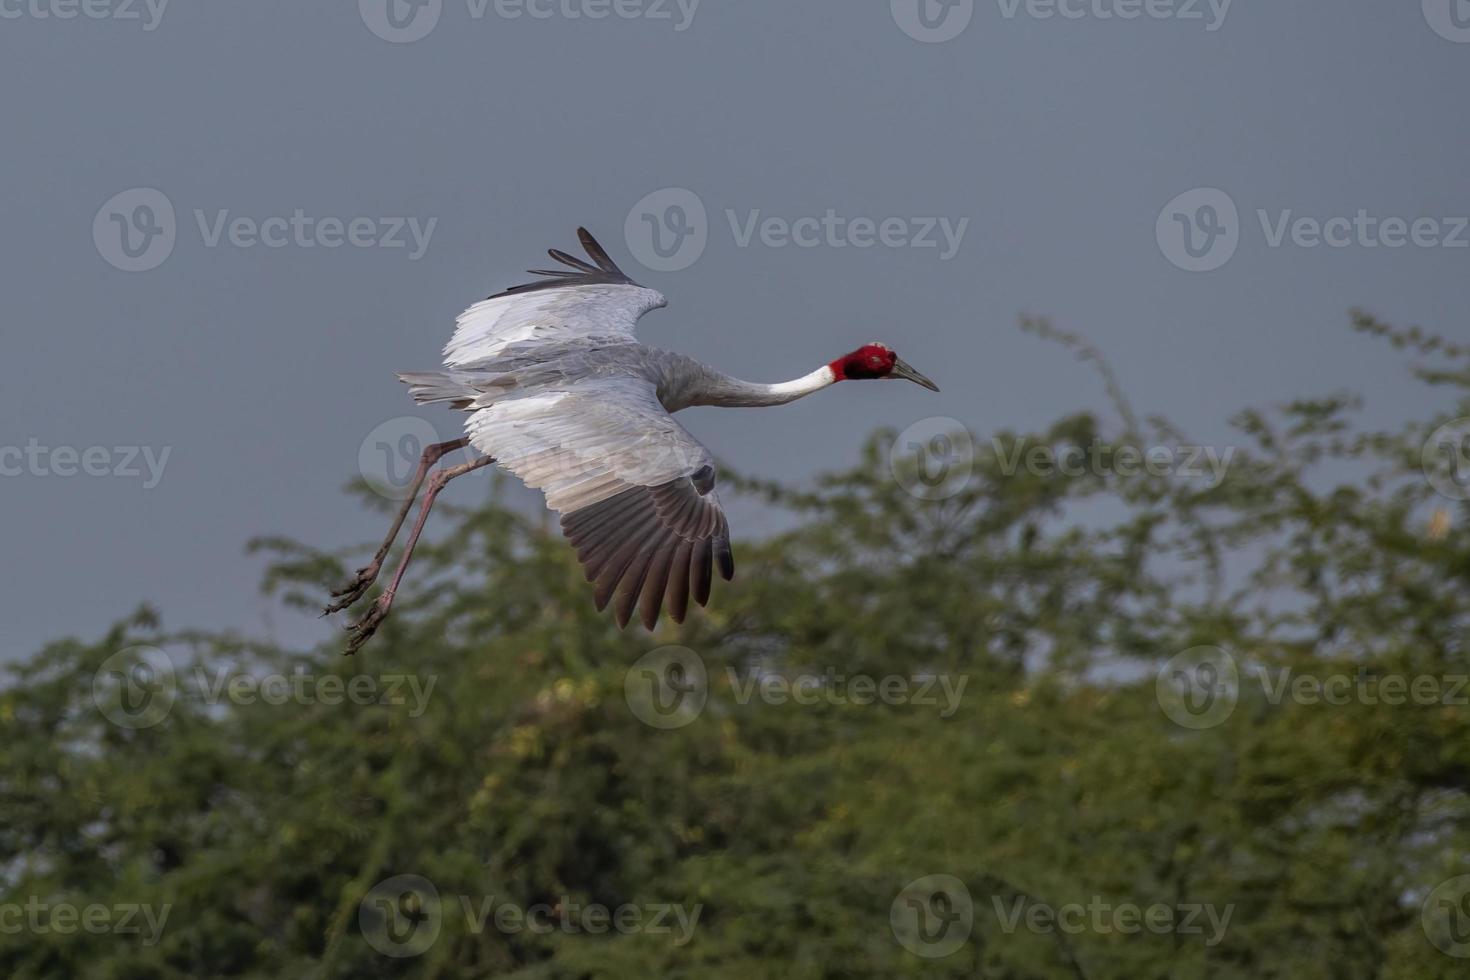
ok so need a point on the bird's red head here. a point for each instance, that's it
(868, 361)
(874, 361)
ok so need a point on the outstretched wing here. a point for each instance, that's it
(585, 302)
(634, 489)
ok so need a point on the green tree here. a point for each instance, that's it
(1054, 741)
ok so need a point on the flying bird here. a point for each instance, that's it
(558, 390)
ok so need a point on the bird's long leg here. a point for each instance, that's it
(368, 574)
(365, 627)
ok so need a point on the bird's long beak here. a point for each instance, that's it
(902, 369)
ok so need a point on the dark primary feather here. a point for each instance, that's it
(572, 261)
(652, 543)
(598, 254)
(581, 273)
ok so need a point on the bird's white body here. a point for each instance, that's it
(559, 391)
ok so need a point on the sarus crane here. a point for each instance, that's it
(559, 391)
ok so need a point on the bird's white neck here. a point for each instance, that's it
(729, 392)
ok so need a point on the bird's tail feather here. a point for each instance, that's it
(430, 387)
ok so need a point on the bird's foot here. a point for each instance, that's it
(355, 589)
(364, 628)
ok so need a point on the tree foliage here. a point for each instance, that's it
(518, 771)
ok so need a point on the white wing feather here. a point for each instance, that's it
(588, 442)
(604, 312)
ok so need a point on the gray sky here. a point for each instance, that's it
(261, 369)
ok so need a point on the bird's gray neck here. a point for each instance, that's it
(726, 392)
